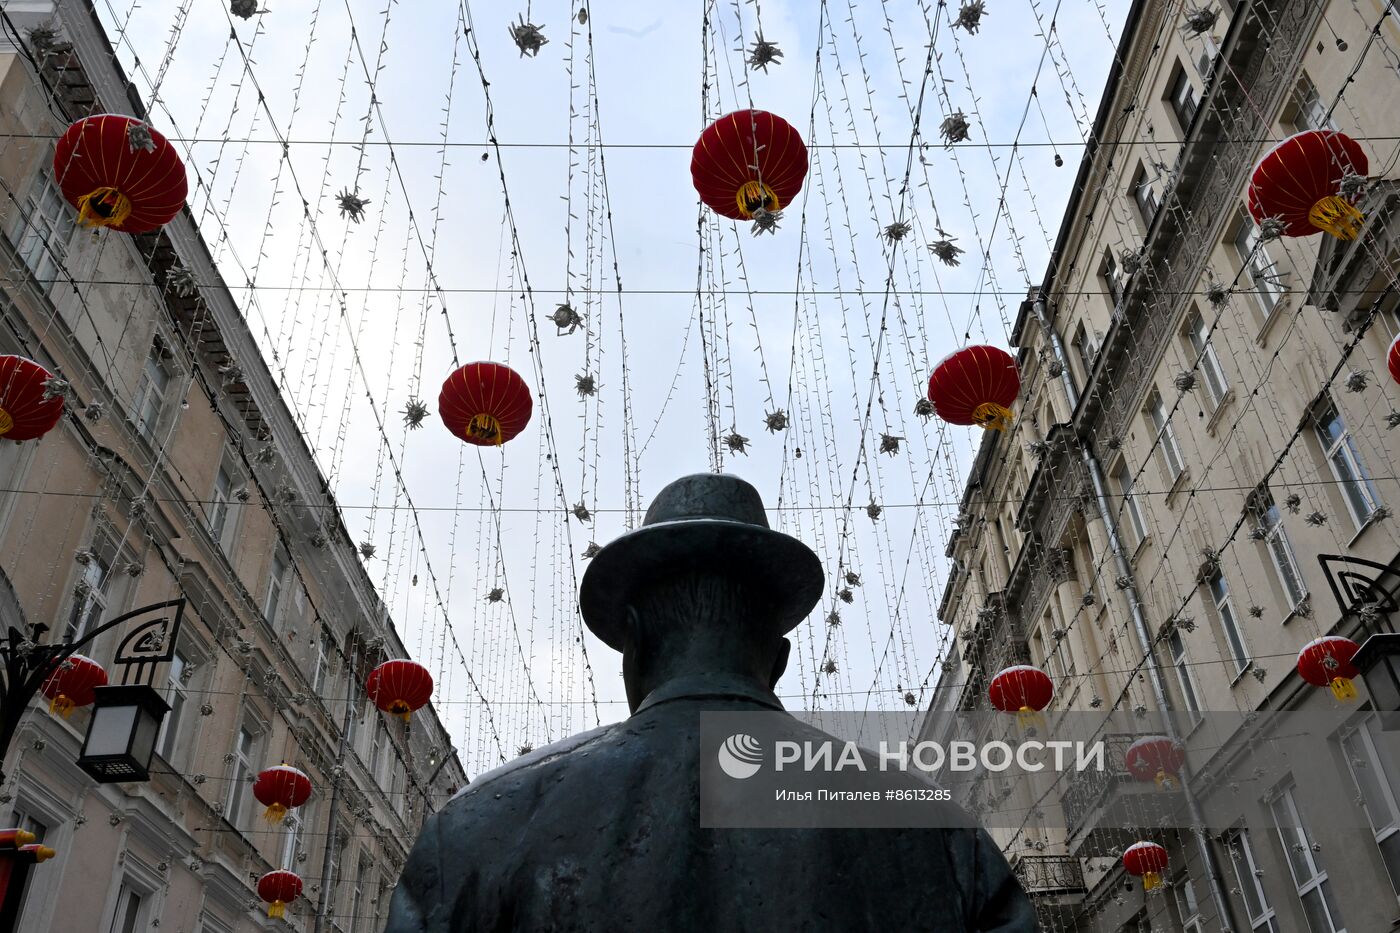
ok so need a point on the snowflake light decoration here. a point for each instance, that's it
(775, 421)
(846, 595)
(1184, 381)
(528, 37)
(1256, 612)
(244, 9)
(525, 749)
(496, 595)
(829, 666)
(1200, 21)
(138, 137)
(889, 444)
(1315, 519)
(923, 408)
(1293, 502)
(910, 699)
(1217, 294)
(351, 204)
(1271, 228)
(897, 231)
(414, 411)
(181, 281)
(764, 53)
(946, 250)
(586, 385)
(852, 578)
(367, 550)
(94, 412)
(55, 387)
(1392, 420)
(1352, 186)
(955, 128)
(833, 618)
(765, 221)
(566, 319)
(1358, 380)
(970, 16)
(580, 512)
(874, 510)
(592, 551)
(736, 443)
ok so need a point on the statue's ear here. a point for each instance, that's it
(780, 663)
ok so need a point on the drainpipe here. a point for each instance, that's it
(323, 901)
(1140, 626)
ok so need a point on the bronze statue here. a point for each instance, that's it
(602, 830)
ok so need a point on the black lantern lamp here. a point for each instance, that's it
(121, 735)
(1378, 660)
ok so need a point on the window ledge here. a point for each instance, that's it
(1239, 676)
(1302, 610)
(1272, 317)
(1219, 411)
(1182, 479)
(1139, 548)
(1373, 519)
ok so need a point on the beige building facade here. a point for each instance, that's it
(1205, 413)
(179, 472)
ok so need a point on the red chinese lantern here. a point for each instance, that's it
(72, 684)
(1299, 181)
(26, 409)
(1146, 860)
(119, 173)
(746, 160)
(281, 789)
(1326, 662)
(485, 404)
(1023, 690)
(975, 385)
(1155, 758)
(400, 687)
(278, 889)
(1392, 359)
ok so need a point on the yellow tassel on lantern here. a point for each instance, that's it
(7, 423)
(1151, 880)
(1343, 689)
(485, 427)
(1165, 780)
(104, 207)
(992, 416)
(1337, 216)
(61, 705)
(1028, 718)
(274, 813)
(277, 909)
(752, 195)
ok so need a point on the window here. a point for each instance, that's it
(241, 771)
(1133, 521)
(98, 592)
(221, 503)
(151, 391)
(176, 695)
(1167, 447)
(1309, 110)
(1113, 283)
(1229, 622)
(1377, 794)
(1181, 96)
(46, 234)
(325, 655)
(275, 584)
(1145, 197)
(297, 821)
(1212, 376)
(1086, 347)
(40, 830)
(127, 917)
(1249, 882)
(1339, 448)
(1182, 664)
(357, 896)
(1187, 907)
(1275, 540)
(1259, 268)
(1314, 890)
(378, 740)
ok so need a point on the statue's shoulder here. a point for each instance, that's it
(531, 765)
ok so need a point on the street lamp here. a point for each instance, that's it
(1378, 660)
(122, 732)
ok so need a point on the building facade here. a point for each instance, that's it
(1202, 459)
(179, 472)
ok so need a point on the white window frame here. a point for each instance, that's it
(325, 652)
(297, 819)
(276, 586)
(1281, 553)
(122, 910)
(45, 234)
(1198, 337)
(243, 767)
(1188, 908)
(1219, 589)
(105, 592)
(1123, 478)
(363, 866)
(1343, 457)
(1248, 877)
(1258, 266)
(149, 403)
(1145, 197)
(1378, 800)
(1186, 679)
(1113, 280)
(177, 696)
(1168, 450)
(1310, 112)
(1181, 98)
(1294, 838)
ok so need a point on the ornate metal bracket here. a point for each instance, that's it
(1357, 584)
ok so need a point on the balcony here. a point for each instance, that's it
(1107, 810)
(1055, 884)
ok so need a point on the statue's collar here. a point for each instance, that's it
(696, 686)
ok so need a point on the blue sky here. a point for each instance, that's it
(789, 325)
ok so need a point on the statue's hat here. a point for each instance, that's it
(711, 522)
